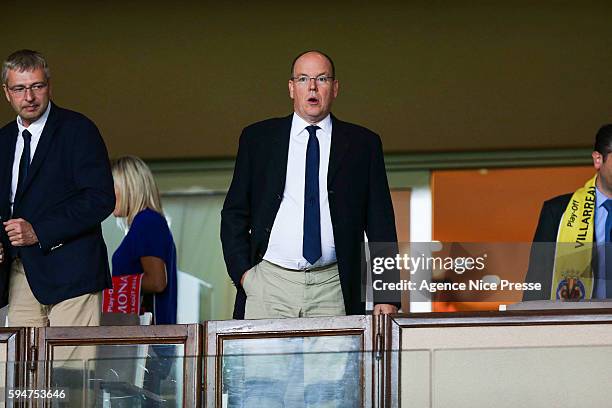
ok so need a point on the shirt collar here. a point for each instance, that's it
(37, 126)
(298, 124)
(600, 198)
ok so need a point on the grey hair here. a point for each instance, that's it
(24, 60)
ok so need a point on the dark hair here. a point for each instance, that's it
(333, 73)
(24, 60)
(603, 140)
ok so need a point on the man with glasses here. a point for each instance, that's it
(56, 188)
(305, 189)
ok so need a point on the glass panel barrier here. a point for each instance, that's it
(300, 380)
(322, 379)
(307, 362)
(121, 374)
(153, 380)
(156, 380)
(471, 377)
(120, 366)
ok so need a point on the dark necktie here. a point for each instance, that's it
(24, 162)
(604, 281)
(312, 211)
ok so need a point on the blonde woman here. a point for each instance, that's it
(148, 247)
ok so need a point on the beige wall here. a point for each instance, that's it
(181, 81)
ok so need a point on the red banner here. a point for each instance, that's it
(124, 297)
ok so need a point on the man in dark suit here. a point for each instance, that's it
(305, 189)
(542, 257)
(543, 251)
(56, 188)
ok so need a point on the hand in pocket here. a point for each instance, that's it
(244, 276)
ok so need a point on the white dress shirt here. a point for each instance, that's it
(286, 237)
(35, 129)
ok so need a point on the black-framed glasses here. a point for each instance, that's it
(20, 90)
(320, 80)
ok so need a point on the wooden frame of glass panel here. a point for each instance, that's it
(188, 336)
(13, 340)
(218, 332)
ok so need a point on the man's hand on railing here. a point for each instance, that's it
(383, 308)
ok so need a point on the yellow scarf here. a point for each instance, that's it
(573, 273)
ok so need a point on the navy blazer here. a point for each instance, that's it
(359, 201)
(67, 194)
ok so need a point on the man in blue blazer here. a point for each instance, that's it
(56, 188)
(305, 189)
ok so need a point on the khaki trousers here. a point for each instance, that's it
(25, 311)
(295, 371)
(276, 292)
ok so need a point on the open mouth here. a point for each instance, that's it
(313, 100)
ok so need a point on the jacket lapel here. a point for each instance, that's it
(11, 144)
(280, 154)
(8, 155)
(42, 148)
(340, 142)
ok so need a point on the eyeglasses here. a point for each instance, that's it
(320, 80)
(20, 90)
